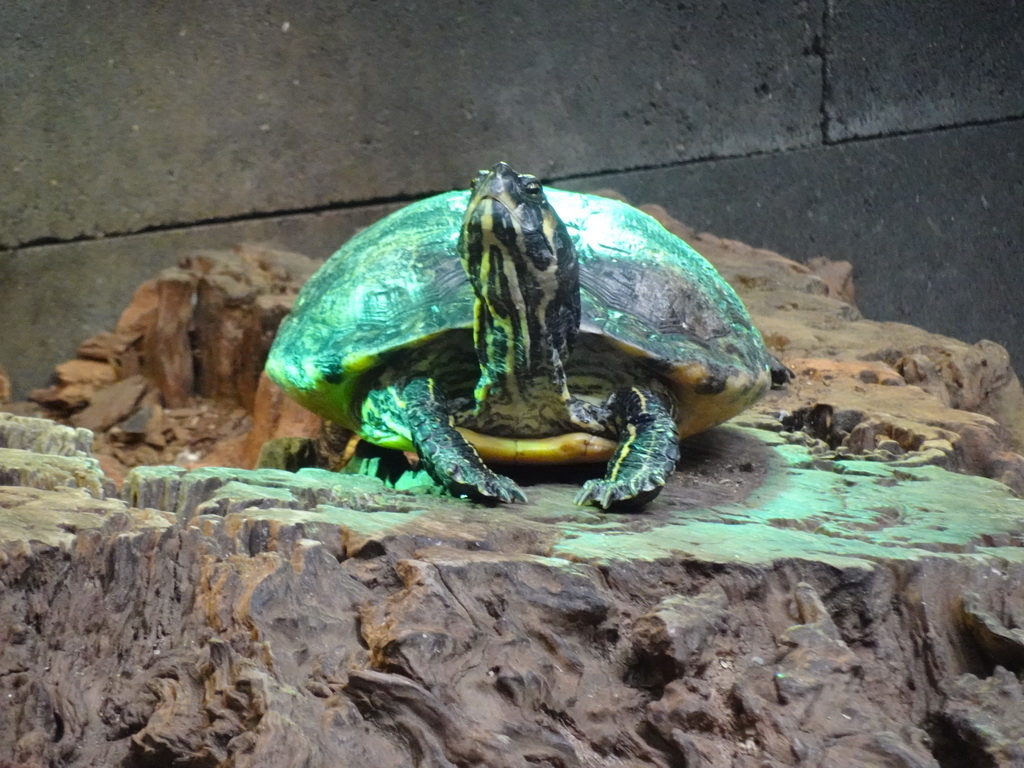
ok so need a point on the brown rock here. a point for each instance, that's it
(112, 468)
(852, 417)
(106, 347)
(976, 377)
(63, 399)
(207, 325)
(275, 416)
(5, 386)
(155, 426)
(222, 321)
(229, 452)
(120, 350)
(838, 276)
(111, 404)
(140, 314)
(146, 423)
(827, 369)
(199, 333)
(88, 372)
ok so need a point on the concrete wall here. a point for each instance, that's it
(887, 133)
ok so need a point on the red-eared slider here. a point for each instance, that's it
(514, 324)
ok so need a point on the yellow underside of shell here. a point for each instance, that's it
(571, 448)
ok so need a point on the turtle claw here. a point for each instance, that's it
(647, 453)
(486, 487)
(601, 493)
(444, 453)
(496, 493)
(509, 492)
(619, 495)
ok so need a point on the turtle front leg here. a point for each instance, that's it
(647, 453)
(446, 455)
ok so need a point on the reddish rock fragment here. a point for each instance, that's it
(111, 404)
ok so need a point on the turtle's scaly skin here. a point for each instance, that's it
(395, 302)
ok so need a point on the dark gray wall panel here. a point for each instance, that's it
(897, 66)
(117, 117)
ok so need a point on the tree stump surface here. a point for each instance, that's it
(770, 608)
(835, 578)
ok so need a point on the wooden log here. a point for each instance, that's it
(166, 348)
(242, 296)
(222, 319)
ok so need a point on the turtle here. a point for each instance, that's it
(513, 323)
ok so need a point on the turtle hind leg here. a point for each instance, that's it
(647, 453)
(446, 455)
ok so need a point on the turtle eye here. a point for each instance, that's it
(531, 186)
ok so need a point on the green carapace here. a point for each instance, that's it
(513, 324)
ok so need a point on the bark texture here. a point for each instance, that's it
(833, 579)
(768, 610)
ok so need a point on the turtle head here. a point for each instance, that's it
(524, 271)
(512, 207)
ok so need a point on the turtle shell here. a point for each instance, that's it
(399, 284)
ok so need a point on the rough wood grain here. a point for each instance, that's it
(829, 580)
(166, 351)
(772, 608)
